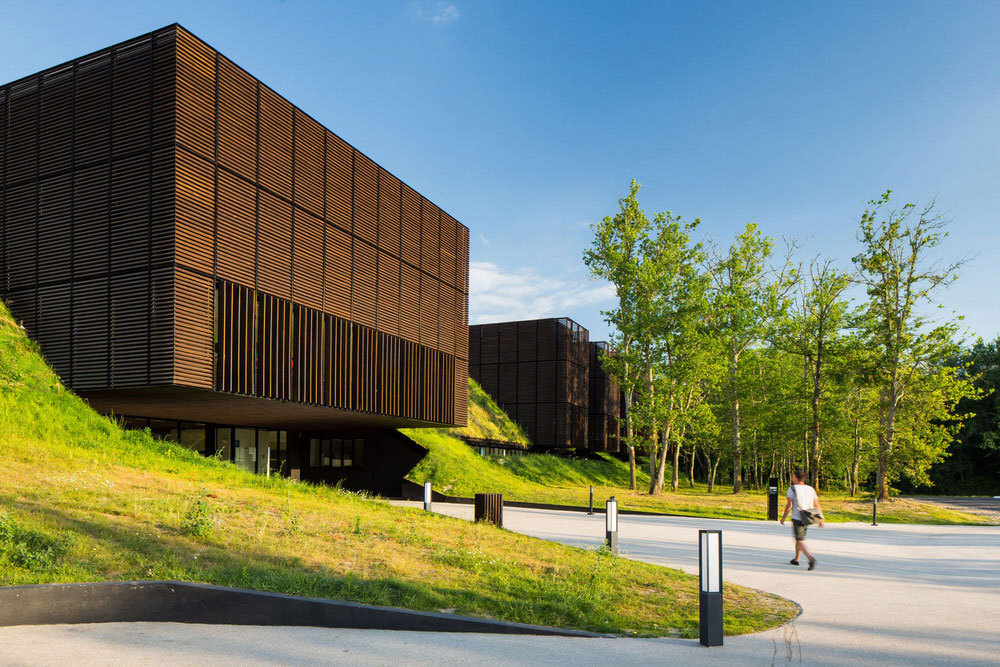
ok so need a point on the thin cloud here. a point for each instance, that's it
(483, 239)
(440, 14)
(499, 296)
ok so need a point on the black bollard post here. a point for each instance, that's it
(591, 512)
(875, 509)
(710, 587)
(772, 499)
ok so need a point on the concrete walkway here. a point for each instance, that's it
(887, 595)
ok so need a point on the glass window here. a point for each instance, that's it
(267, 451)
(337, 458)
(314, 453)
(278, 454)
(193, 436)
(359, 453)
(245, 448)
(348, 457)
(326, 453)
(224, 443)
(167, 430)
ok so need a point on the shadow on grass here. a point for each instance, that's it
(521, 599)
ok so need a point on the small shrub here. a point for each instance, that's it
(198, 522)
(27, 548)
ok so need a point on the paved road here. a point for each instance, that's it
(887, 595)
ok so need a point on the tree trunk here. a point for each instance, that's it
(886, 436)
(694, 449)
(817, 370)
(628, 435)
(856, 462)
(737, 446)
(709, 471)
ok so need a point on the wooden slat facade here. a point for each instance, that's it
(169, 220)
(537, 371)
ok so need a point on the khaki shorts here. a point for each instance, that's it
(798, 530)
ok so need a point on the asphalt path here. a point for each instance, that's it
(891, 594)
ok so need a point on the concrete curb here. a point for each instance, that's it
(185, 602)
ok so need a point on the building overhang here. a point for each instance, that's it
(216, 407)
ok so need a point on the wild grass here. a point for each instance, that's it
(83, 500)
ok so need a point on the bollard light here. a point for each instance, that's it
(591, 512)
(611, 524)
(710, 585)
(875, 509)
(427, 496)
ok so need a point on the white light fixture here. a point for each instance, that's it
(611, 524)
(710, 585)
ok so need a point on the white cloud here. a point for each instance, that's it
(483, 239)
(440, 13)
(498, 296)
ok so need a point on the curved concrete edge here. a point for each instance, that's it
(186, 602)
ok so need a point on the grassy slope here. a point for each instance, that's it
(455, 469)
(82, 500)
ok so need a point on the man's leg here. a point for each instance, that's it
(800, 547)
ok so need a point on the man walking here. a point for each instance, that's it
(801, 497)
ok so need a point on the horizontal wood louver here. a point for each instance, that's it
(338, 272)
(307, 264)
(430, 246)
(365, 199)
(389, 213)
(196, 84)
(237, 135)
(339, 182)
(309, 164)
(411, 204)
(275, 143)
(139, 180)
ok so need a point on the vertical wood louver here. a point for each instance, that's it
(168, 220)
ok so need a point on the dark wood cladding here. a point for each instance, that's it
(86, 212)
(537, 372)
(604, 404)
(150, 186)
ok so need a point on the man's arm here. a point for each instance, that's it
(788, 508)
(822, 523)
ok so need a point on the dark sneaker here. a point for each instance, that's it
(812, 564)
(794, 562)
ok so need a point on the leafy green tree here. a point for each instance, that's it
(746, 298)
(908, 350)
(616, 256)
(813, 331)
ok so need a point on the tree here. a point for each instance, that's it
(813, 331)
(615, 256)
(899, 278)
(746, 298)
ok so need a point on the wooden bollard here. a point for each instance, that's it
(489, 508)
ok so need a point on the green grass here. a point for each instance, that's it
(83, 500)
(454, 468)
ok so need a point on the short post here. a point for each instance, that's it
(710, 587)
(611, 524)
(489, 508)
(772, 499)
(268, 464)
(875, 509)
(427, 496)
(591, 512)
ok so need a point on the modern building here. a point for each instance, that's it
(536, 371)
(194, 253)
(604, 406)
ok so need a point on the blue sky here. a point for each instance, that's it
(526, 121)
